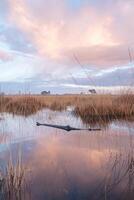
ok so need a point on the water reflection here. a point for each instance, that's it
(75, 165)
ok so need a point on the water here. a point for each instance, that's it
(70, 165)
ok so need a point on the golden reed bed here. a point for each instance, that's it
(88, 107)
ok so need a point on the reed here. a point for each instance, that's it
(12, 182)
(106, 108)
(89, 107)
(27, 105)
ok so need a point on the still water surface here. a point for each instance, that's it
(70, 165)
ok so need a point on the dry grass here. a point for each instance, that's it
(89, 107)
(12, 182)
(106, 108)
(27, 105)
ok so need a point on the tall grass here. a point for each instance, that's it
(27, 105)
(105, 108)
(12, 181)
(89, 107)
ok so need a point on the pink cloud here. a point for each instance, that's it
(101, 55)
(97, 38)
(4, 56)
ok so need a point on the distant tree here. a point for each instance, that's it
(45, 93)
(92, 91)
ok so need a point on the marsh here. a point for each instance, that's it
(74, 165)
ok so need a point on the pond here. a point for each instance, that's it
(70, 165)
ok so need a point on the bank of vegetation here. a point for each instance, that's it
(88, 107)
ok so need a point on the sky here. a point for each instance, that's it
(66, 46)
